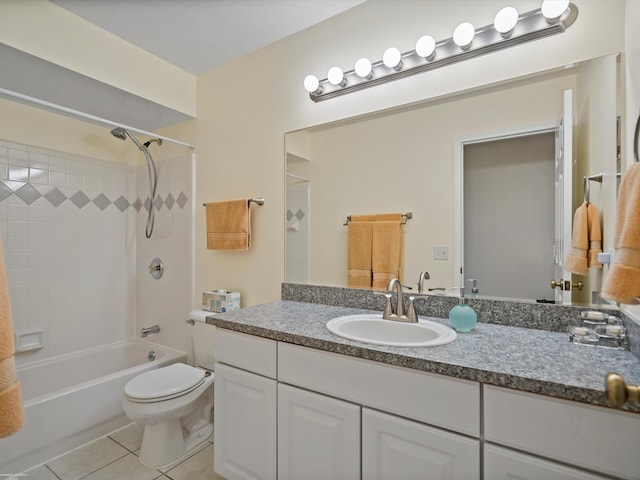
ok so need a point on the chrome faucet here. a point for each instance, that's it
(423, 276)
(398, 315)
(147, 330)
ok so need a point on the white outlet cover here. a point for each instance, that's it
(441, 253)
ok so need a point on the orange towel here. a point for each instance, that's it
(11, 409)
(360, 235)
(387, 250)
(622, 283)
(586, 240)
(229, 225)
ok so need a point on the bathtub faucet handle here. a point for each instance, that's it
(147, 330)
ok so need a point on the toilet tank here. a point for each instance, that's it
(202, 335)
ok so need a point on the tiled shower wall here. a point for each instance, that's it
(69, 228)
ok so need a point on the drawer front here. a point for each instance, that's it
(254, 354)
(435, 399)
(596, 438)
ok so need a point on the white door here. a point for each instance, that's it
(318, 436)
(245, 425)
(397, 449)
(563, 210)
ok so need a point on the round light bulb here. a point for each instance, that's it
(426, 46)
(552, 9)
(363, 67)
(463, 34)
(311, 83)
(335, 76)
(391, 57)
(505, 20)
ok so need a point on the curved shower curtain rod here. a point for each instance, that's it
(87, 116)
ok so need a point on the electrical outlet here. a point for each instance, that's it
(441, 253)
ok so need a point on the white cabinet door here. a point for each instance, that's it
(504, 464)
(394, 448)
(318, 436)
(245, 425)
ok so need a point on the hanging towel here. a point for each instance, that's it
(229, 225)
(360, 237)
(622, 283)
(11, 409)
(586, 241)
(387, 250)
(595, 236)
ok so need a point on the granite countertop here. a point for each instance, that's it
(529, 360)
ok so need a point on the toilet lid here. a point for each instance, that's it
(164, 382)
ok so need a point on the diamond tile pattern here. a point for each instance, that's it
(122, 203)
(5, 192)
(28, 194)
(102, 201)
(55, 196)
(79, 199)
(299, 214)
(289, 215)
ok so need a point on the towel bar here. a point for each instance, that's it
(405, 218)
(259, 201)
(594, 178)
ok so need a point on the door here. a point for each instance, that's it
(245, 425)
(563, 198)
(318, 436)
(394, 448)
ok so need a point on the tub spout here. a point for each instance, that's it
(147, 330)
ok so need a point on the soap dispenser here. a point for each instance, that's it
(462, 317)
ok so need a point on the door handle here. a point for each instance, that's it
(567, 285)
(618, 392)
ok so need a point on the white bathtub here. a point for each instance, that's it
(73, 399)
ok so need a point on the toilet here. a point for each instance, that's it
(175, 403)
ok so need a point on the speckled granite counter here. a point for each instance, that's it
(526, 359)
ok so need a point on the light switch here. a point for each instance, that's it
(441, 253)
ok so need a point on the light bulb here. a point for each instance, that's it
(363, 67)
(391, 58)
(463, 35)
(426, 46)
(311, 83)
(335, 76)
(552, 9)
(505, 21)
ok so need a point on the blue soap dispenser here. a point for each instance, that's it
(462, 317)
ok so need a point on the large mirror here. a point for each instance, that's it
(500, 140)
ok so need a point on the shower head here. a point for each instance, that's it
(119, 133)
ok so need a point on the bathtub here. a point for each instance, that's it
(73, 399)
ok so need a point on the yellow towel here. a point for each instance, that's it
(11, 409)
(229, 225)
(360, 235)
(387, 250)
(622, 283)
(586, 240)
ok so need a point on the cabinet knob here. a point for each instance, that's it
(557, 284)
(618, 392)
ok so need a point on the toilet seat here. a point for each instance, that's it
(164, 383)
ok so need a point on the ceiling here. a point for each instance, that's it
(194, 35)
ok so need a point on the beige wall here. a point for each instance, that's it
(246, 106)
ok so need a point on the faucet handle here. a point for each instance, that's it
(388, 308)
(412, 317)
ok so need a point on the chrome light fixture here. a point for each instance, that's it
(508, 29)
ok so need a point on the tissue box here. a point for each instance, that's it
(220, 301)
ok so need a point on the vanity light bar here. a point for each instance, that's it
(529, 26)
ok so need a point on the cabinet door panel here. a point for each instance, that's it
(318, 436)
(245, 423)
(394, 448)
(503, 464)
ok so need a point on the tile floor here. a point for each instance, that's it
(115, 457)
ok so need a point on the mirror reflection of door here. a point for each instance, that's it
(509, 219)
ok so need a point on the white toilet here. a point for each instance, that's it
(175, 403)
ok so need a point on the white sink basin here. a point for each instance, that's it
(373, 329)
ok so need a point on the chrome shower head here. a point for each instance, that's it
(119, 133)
